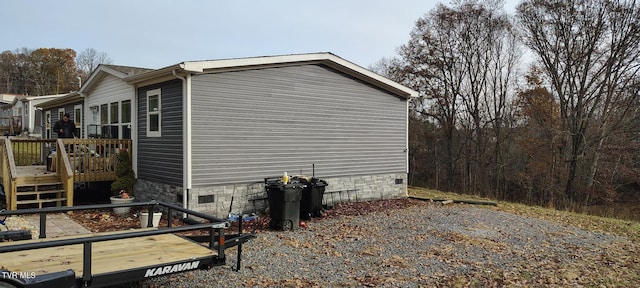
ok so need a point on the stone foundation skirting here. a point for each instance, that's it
(251, 197)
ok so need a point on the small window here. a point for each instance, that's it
(154, 117)
(114, 113)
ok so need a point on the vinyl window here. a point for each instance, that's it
(154, 114)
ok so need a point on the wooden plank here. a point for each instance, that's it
(32, 180)
(39, 201)
(108, 256)
(40, 192)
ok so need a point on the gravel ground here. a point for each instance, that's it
(20, 223)
(426, 245)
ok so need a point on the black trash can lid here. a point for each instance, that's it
(318, 182)
(294, 185)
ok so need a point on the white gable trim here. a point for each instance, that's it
(97, 76)
(331, 60)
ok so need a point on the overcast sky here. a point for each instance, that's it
(159, 33)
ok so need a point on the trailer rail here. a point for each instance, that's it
(100, 260)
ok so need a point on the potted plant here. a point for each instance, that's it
(123, 186)
(144, 218)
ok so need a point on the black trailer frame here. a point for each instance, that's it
(216, 238)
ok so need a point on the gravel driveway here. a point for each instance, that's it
(424, 245)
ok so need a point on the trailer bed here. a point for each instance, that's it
(118, 257)
(108, 256)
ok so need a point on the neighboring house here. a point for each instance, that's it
(206, 131)
(108, 99)
(55, 109)
(26, 115)
(6, 113)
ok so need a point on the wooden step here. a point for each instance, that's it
(21, 180)
(40, 192)
(41, 201)
(39, 184)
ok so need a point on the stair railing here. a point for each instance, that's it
(64, 170)
(9, 175)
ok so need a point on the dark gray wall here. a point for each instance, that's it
(248, 125)
(68, 108)
(160, 158)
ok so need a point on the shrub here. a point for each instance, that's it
(125, 176)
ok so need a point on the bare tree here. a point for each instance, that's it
(462, 60)
(589, 50)
(89, 59)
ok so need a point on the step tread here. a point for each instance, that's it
(38, 184)
(40, 192)
(40, 201)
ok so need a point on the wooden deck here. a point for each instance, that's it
(27, 182)
(108, 256)
(33, 170)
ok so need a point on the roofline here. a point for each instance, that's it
(97, 74)
(69, 98)
(25, 98)
(237, 64)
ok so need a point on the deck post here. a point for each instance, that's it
(14, 194)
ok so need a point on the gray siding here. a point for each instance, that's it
(68, 108)
(160, 158)
(248, 125)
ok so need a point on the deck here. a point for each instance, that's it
(108, 256)
(38, 173)
(33, 171)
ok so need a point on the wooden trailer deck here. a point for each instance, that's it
(107, 256)
(110, 258)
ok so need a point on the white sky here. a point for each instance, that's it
(159, 33)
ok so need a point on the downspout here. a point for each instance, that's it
(406, 144)
(406, 150)
(186, 137)
(134, 123)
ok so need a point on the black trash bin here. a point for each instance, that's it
(284, 204)
(311, 200)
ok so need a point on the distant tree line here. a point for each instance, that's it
(46, 71)
(563, 132)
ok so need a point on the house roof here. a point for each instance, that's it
(60, 101)
(238, 64)
(106, 69)
(39, 99)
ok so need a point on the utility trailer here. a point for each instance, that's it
(112, 258)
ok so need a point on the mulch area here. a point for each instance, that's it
(104, 220)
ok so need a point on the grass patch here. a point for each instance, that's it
(625, 228)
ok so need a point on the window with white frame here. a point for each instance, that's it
(126, 111)
(77, 119)
(114, 111)
(77, 115)
(125, 118)
(48, 124)
(104, 114)
(154, 127)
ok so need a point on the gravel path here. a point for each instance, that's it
(425, 245)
